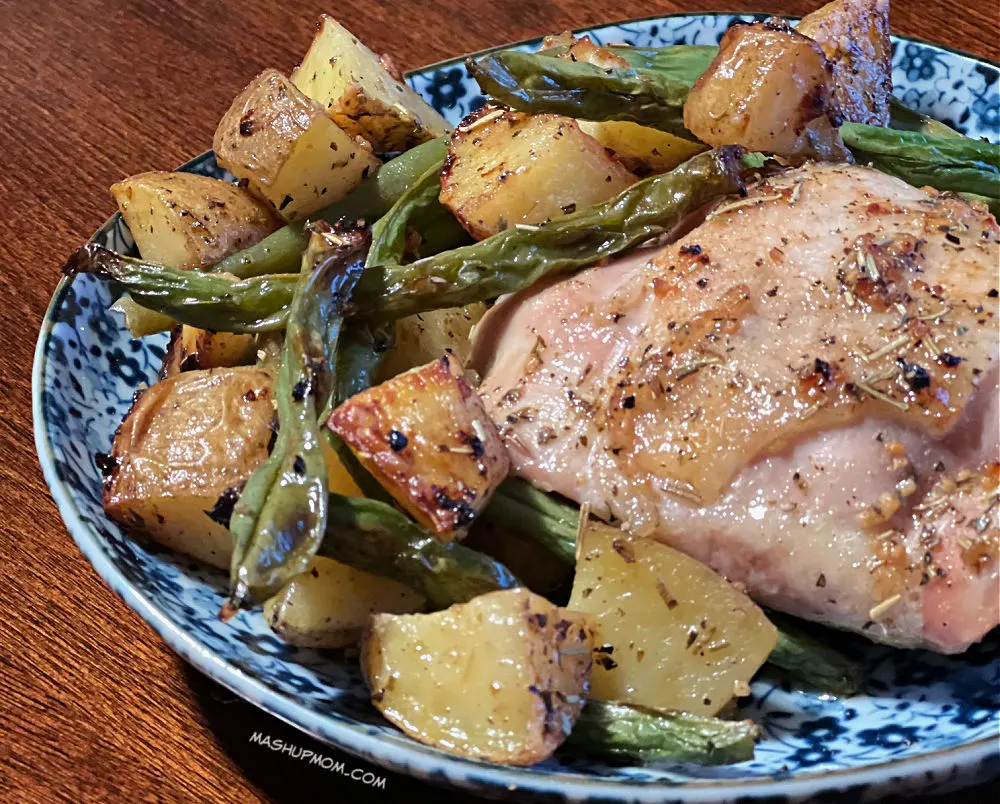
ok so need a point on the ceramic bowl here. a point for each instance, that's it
(923, 722)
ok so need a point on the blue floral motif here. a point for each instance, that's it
(825, 729)
(915, 705)
(447, 88)
(891, 736)
(919, 63)
(812, 754)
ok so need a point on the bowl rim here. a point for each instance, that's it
(402, 754)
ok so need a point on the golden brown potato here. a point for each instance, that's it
(286, 147)
(188, 221)
(426, 437)
(191, 348)
(505, 168)
(427, 336)
(643, 150)
(769, 89)
(585, 49)
(671, 633)
(328, 605)
(501, 678)
(854, 35)
(363, 93)
(185, 442)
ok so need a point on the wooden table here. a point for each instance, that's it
(93, 706)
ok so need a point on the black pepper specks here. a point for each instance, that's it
(949, 360)
(824, 369)
(222, 511)
(915, 376)
(299, 465)
(397, 441)
(628, 402)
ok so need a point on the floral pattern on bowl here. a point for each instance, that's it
(924, 722)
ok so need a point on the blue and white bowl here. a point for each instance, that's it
(924, 722)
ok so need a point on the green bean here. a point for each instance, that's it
(516, 258)
(360, 353)
(520, 507)
(809, 660)
(280, 252)
(635, 734)
(390, 231)
(903, 118)
(506, 262)
(682, 63)
(961, 165)
(280, 517)
(207, 301)
(372, 536)
(535, 83)
(364, 345)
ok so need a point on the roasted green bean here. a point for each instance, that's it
(539, 84)
(506, 262)
(280, 517)
(372, 536)
(961, 165)
(280, 252)
(635, 734)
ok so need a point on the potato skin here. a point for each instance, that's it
(286, 147)
(426, 437)
(505, 168)
(328, 605)
(185, 442)
(854, 35)
(769, 89)
(191, 348)
(363, 93)
(189, 221)
(501, 678)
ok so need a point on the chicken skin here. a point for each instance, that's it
(801, 392)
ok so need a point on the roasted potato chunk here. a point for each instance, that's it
(289, 151)
(427, 336)
(769, 89)
(191, 348)
(188, 221)
(673, 634)
(501, 678)
(186, 441)
(328, 605)
(363, 93)
(585, 49)
(505, 168)
(427, 438)
(643, 150)
(854, 35)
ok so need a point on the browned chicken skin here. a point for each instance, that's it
(801, 392)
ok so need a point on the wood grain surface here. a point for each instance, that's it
(93, 706)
